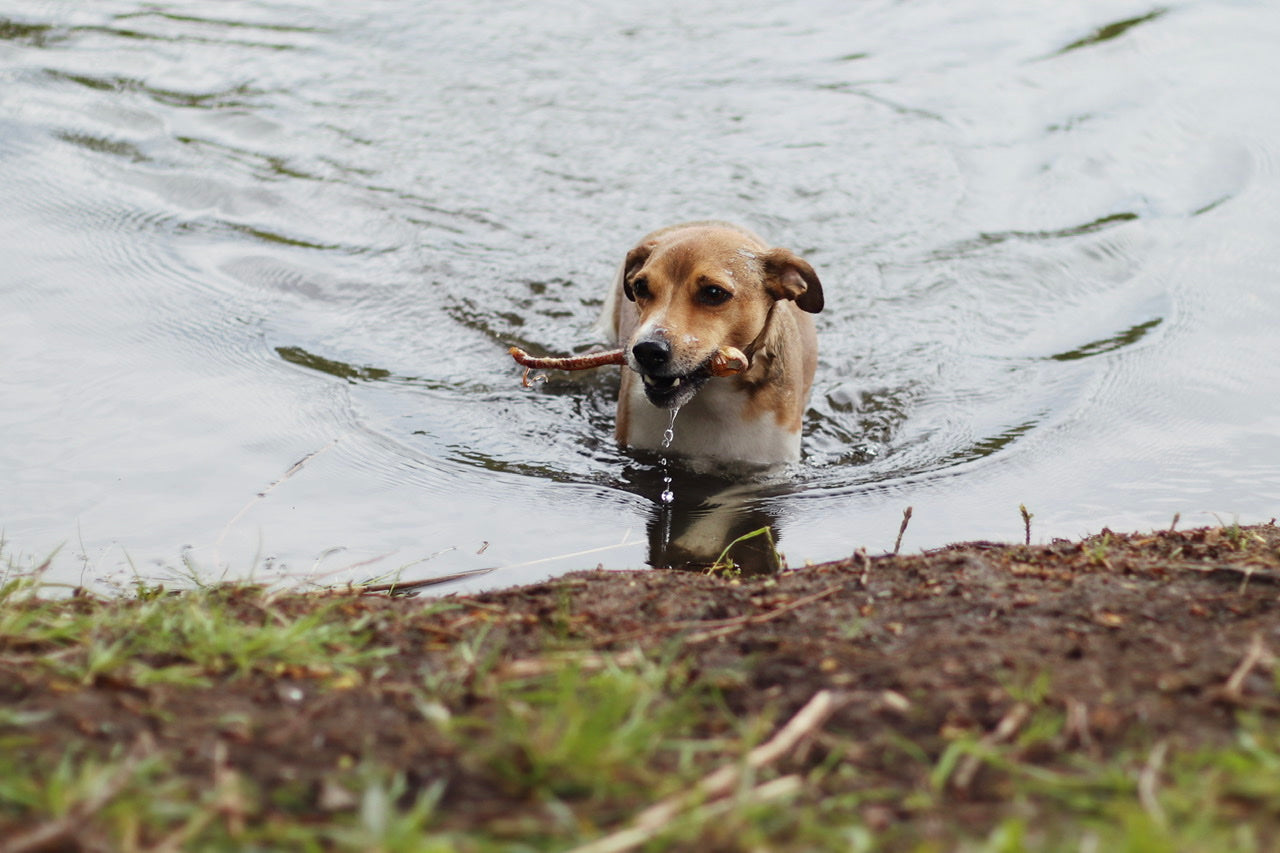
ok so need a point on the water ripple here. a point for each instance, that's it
(237, 235)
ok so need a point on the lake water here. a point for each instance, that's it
(260, 263)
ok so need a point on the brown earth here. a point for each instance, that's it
(1134, 638)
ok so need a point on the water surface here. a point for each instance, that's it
(261, 262)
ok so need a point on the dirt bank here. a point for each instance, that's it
(963, 682)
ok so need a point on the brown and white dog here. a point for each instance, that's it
(681, 295)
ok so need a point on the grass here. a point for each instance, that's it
(181, 639)
(1203, 799)
(564, 731)
(725, 564)
(232, 718)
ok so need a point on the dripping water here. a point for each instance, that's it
(667, 495)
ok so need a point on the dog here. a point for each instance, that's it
(681, 295)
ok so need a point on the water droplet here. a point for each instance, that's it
(668, 495)
(670, 434)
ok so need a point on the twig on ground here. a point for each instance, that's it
(906, 517)
(1026, 522)
(1250, 573)
(728, 626)
(60, 833)
(714, 628)
(586, 662)
(1233, 690)
(653, 820)
(228, 791)
(1149, 782)
(1077, 724)
(1004, 730)
(862, 555)
(634, 836)
(407, 586)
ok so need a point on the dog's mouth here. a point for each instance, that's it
(671, 392)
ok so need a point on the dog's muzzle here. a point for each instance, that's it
(665, 386)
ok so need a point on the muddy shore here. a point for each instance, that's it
(957, 682)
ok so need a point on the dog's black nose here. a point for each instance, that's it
(652, 354)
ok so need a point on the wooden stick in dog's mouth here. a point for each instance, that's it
(726, 362)
(571, 362)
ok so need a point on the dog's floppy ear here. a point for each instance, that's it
(635, 259)
(788, 276)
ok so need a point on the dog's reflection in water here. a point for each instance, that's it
(706, 516)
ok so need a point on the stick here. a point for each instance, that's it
(718, 627)
(1077, 723)
(571, 362)
(1148, 783)
(862, 555)
(1026, 522)
(906, 517)
(61, 832)
(1249, 572)
(1233, 690)
(728, 361)
(658, 817)
(406, 586)
(728, 626)
(725, 362)
(634, 836)
(1005, 729)
(584, 662)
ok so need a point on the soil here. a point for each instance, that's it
(1134, 638)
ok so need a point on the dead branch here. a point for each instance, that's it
(1233, 690)
(659, 816)
(1250, 573)
(1004, 730)
(407, 586)
(1149, 781)
(726, 361)
(63, 831)
(906, 518)
(728, 626)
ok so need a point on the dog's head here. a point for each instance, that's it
(697, 289)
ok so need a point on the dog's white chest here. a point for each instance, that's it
(717, 423)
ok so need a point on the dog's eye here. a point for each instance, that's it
(640, 287)
(713, 294)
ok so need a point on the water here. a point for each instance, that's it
(262, 262)
(668, 436)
